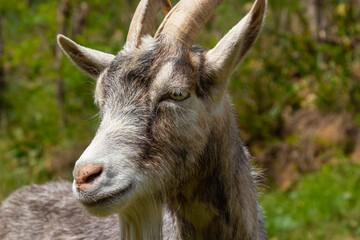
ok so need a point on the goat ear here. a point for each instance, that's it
(89, 61)
(231, 49)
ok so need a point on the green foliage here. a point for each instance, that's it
(323, 205)
(30, 121)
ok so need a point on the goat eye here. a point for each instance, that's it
(179, 95)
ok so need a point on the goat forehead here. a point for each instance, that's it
(142, 65)
(139, 76)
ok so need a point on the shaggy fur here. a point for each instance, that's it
(50, 212)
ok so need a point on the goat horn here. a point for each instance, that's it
(186, 19)
(143, 20)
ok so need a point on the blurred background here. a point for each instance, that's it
(296, 96)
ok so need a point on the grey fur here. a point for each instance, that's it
(50, 212)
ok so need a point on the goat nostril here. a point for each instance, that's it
(87, 174)
(93, 176)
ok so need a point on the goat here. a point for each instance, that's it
(50, 212)
(167, 158)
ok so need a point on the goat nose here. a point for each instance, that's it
(86, 174)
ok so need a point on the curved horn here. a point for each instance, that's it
(186, 19)
(143, 20)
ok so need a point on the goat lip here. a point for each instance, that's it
(108, 199)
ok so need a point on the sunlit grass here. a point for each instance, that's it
(323, 205)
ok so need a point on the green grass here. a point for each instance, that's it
(323, 205)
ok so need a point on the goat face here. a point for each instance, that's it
(160, 100)
(155, 106)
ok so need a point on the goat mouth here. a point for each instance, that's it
(108, 199)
